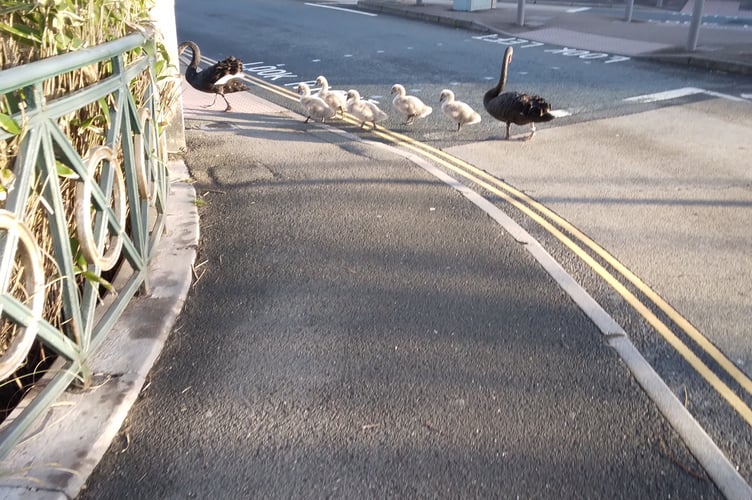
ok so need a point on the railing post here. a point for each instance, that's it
(628, 11)
(164, 13)
(694, 27)
(521, 12)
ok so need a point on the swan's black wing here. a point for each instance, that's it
(234, 85)
(519, 108)
(535, 109)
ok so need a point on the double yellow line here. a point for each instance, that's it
(576, 241)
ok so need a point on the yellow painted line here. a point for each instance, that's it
(744, 411)
(524, 203)
(726, 364)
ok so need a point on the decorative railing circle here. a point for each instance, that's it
(84, 231)
(142, 174)
(33, 273)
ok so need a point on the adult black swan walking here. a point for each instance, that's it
(218, 79)
(515, 107)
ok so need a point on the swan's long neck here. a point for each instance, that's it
(499, 88)
(504, 66)
(196, 57)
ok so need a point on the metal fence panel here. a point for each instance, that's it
(120, 192)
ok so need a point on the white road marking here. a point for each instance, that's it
(725, 96)
(579, 9)
(665, 96)
(677, 93)
(351, 11)
(558, 113)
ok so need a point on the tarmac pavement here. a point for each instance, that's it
(358, 330)
(39, 470)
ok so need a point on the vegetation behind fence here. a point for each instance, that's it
(83, 182)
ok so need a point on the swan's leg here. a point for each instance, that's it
(509, 125)
(212, 103)
(532, 131)
(228, 108)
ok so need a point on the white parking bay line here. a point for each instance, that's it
(351, 11)
(682, 92)
(665, 95)
(577, 9)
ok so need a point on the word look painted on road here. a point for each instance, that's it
(564, 51)
(274, 73)
(267, 72)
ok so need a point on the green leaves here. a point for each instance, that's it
(81, 268)
(64, 170)
(8, 124)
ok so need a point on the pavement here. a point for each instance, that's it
(83, 426)
(600, 27)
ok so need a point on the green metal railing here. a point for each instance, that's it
(120, 193)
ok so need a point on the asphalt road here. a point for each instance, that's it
(360, 330)
(286, 41)
(368, 389)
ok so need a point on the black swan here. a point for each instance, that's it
(219, 79)
(515, 107)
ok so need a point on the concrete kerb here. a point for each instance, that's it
(687, 59)
(56, 458)
(422, 16)
(683, 58)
